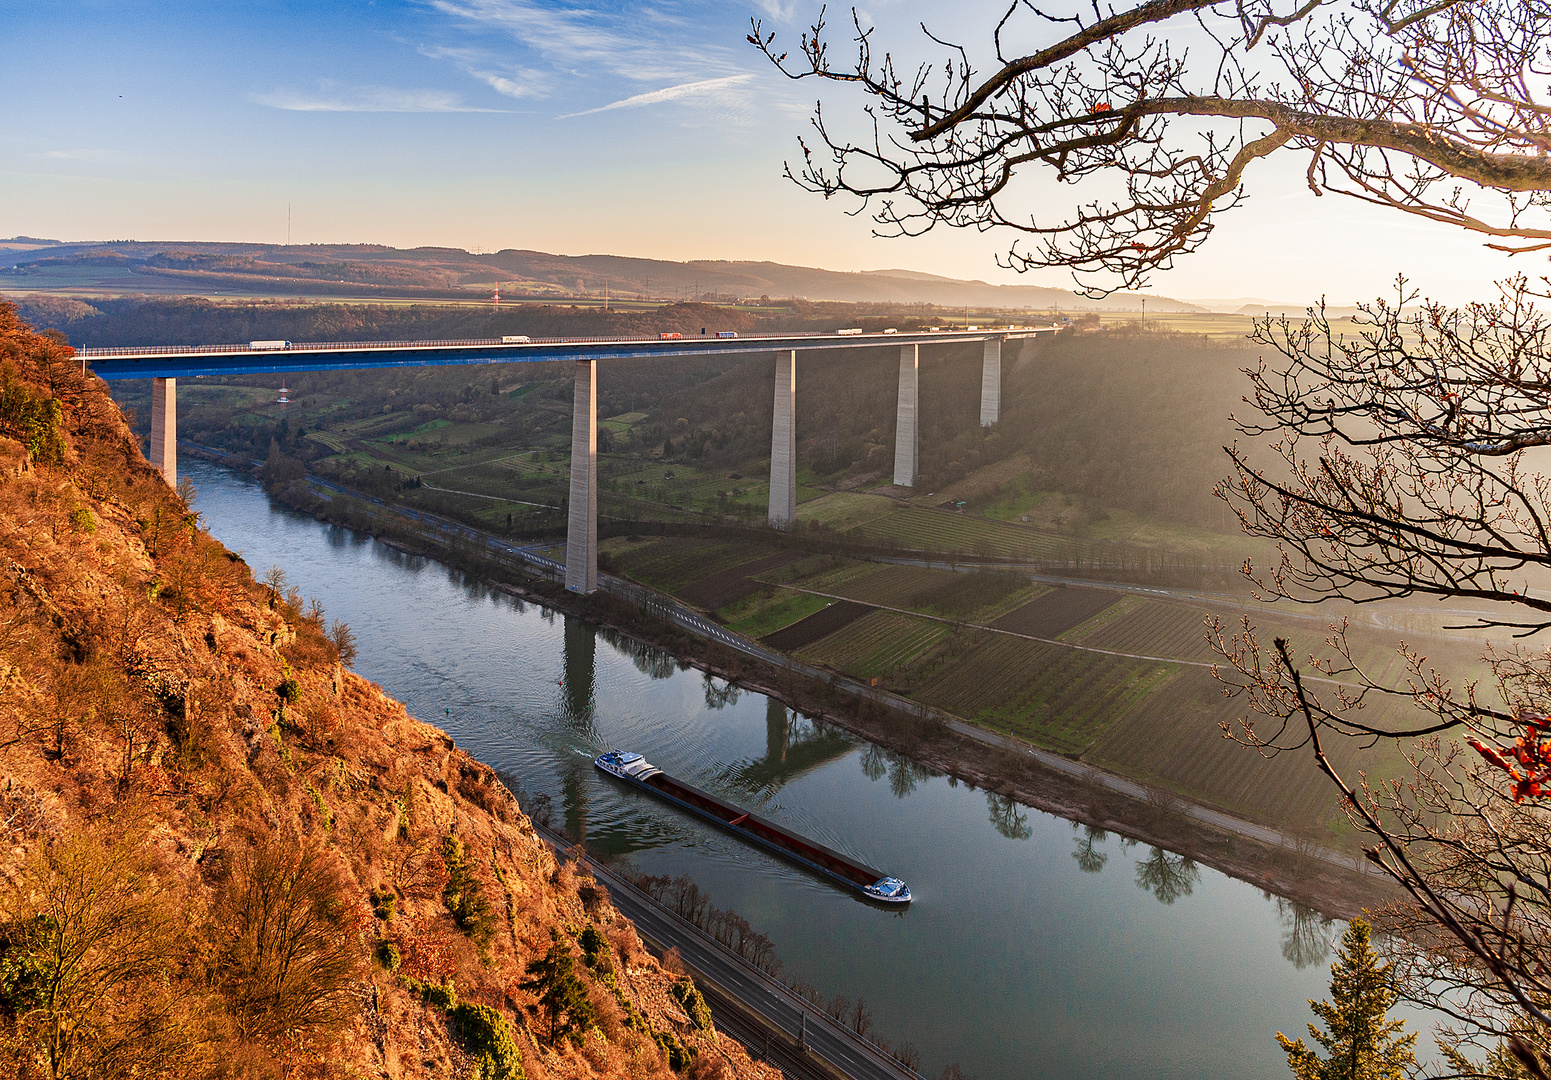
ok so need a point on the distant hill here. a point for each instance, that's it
(28, 264)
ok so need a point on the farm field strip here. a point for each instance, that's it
(1060, 699)
(1175, 741)
(904, 587)
(755, 617)
(672, 564)
(847, 509)
(1058, 642)
(328, 439)
(1057, 611)
(727, 586)
(875, 644)
(820, 624)
(892, 586)
(936, 530)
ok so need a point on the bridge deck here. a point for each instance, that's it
(190, 361)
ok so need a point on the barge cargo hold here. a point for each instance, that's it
(872, 884)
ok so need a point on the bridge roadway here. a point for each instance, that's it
(164, 365)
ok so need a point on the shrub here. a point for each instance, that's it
(87, 961)
(383, 902)
(36, 422)
(464, 896)
(388, 955)
(485, 1034)
(688, 995)
(595, 946)
(678, 1054)
(443, 996)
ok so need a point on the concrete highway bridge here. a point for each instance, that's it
(165, 365)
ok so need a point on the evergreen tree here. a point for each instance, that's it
(562, 995)
(1361, 1043)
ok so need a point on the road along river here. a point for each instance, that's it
(1034, 948)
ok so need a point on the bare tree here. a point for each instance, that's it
(1414, 105)
(90, 945)
(290, 941)
(1404, 468)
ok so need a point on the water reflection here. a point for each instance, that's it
(1167, 876)
(1090, 860)
(719, 694)
(649, 660)
(1306, 934)
(903, 773)
(579, 662)
(794, 746)
(1008, 817)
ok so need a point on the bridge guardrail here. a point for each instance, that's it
(337, 346)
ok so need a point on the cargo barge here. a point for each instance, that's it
(872, 884)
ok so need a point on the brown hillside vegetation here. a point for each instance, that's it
(226, 855)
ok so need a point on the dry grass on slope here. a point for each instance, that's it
(225, 855)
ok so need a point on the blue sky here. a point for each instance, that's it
(647, 129)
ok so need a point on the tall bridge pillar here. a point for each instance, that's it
(783, 443)
(164, 429)
(991, 383)
(907, 448)
(581, 537)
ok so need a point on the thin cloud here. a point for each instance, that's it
(714, 90)
(385, 99)
(509, 82)
(642, 43)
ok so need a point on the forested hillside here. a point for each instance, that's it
(225, 854)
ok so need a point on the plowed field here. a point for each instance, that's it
(733, 584)
(819, 624)
(1057, 611)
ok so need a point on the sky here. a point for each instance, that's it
(647, 129)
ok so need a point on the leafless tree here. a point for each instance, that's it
(1403, 467)
(1429, 107)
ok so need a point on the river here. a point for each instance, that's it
(1034, 948)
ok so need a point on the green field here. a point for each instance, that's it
(768, 610)
(842, 510)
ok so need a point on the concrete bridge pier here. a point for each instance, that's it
(164, 429)
(907, 445)
(581, 537)
(783, 443)
(991, 383)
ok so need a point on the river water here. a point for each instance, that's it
(1034, 948)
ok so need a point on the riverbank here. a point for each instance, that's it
(1285, 865)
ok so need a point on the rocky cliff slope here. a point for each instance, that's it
(224, 854)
